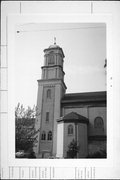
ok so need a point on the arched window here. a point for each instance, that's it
(43, 136)
(51, 59)
(70, 129)
(98, 123)
(49, 135)
(49, 94)
(47, 116)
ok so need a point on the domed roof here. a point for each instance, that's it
(54, 46)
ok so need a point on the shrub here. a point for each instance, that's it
(98, 154)
(73, 149)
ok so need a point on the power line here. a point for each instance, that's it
(61, 29)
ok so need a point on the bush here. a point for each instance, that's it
(98, 154)
(73, 149)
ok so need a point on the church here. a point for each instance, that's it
(67, 118)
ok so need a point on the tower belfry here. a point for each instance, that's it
(53, 63)
(51, 88)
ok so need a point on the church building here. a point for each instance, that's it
(63, 117)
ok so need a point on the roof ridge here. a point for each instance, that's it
(85, 92)
(74, 113)
(74, 117)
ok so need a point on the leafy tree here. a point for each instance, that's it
(73, 149)
(26, 135)
(21, 112)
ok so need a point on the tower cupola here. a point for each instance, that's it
(53, 63)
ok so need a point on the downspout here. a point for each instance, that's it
(87, 129)
(76, 139)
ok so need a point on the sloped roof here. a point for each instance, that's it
(86, 97)
(74, 117)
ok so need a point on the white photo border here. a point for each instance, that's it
(13, 20)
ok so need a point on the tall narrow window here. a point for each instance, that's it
(70, 129)
(51, 59)
(43, 136)
(49, 135)
(49, 94)
(98, 123)
(47, 116)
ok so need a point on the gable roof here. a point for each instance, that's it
(74, 117)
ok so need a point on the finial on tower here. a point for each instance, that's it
(54, 40)
(105, 65)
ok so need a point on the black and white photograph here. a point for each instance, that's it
(60, 91)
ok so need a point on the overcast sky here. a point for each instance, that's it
(84, 46)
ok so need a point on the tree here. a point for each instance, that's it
(26, 135)
(21, 112)
(73, 149)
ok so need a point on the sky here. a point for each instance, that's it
(84, 46)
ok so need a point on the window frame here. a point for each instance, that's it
(48, 94)
(70, 130)
(49, 136)
(99, 125)
(47, 117)
(51, 59)
(43, 136)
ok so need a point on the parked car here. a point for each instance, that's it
(19, 154)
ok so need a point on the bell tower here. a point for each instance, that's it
(53, 63)
(51, 88)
